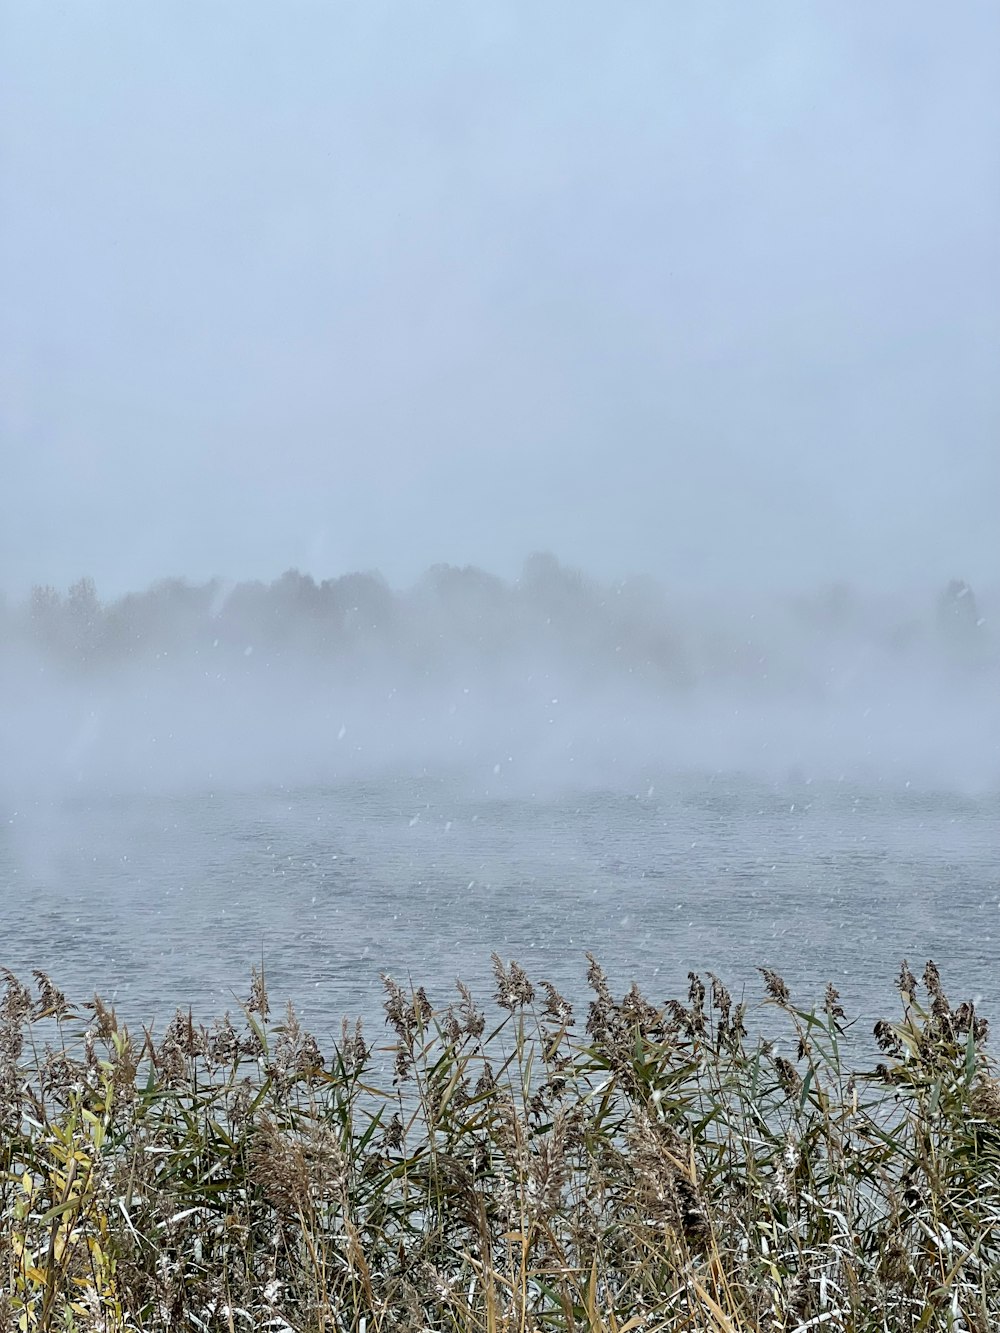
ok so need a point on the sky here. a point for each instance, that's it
(705, 291)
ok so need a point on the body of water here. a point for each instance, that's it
(165, 900)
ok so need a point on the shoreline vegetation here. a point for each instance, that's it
(636, 1166)
(466, 620)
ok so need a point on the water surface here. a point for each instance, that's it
(159, 900)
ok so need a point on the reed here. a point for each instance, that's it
(642, 1166)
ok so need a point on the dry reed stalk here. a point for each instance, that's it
(660, 1170)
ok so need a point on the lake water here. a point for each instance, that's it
(164, 900)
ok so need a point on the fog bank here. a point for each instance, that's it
(552, 680)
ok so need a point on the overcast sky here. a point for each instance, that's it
(706, 291)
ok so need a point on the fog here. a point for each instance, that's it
(497, 475)
(704, 291)
(554, 680)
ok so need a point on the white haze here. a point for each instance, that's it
(705, 290)
(550, 682)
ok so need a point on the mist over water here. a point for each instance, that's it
(343, 779)
(709, 293)
(553, 681)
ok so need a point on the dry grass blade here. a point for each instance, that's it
(663, 1170)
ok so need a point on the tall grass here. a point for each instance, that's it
(648, 1166)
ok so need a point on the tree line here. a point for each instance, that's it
(457, 614)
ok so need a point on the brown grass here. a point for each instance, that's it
(653, 1167)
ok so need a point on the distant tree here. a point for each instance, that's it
(365, 602)
(568, 600)
(124, 627)
(83, 620)
(296, 590)
(45, 617)
(456, 610)
(541, 571)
